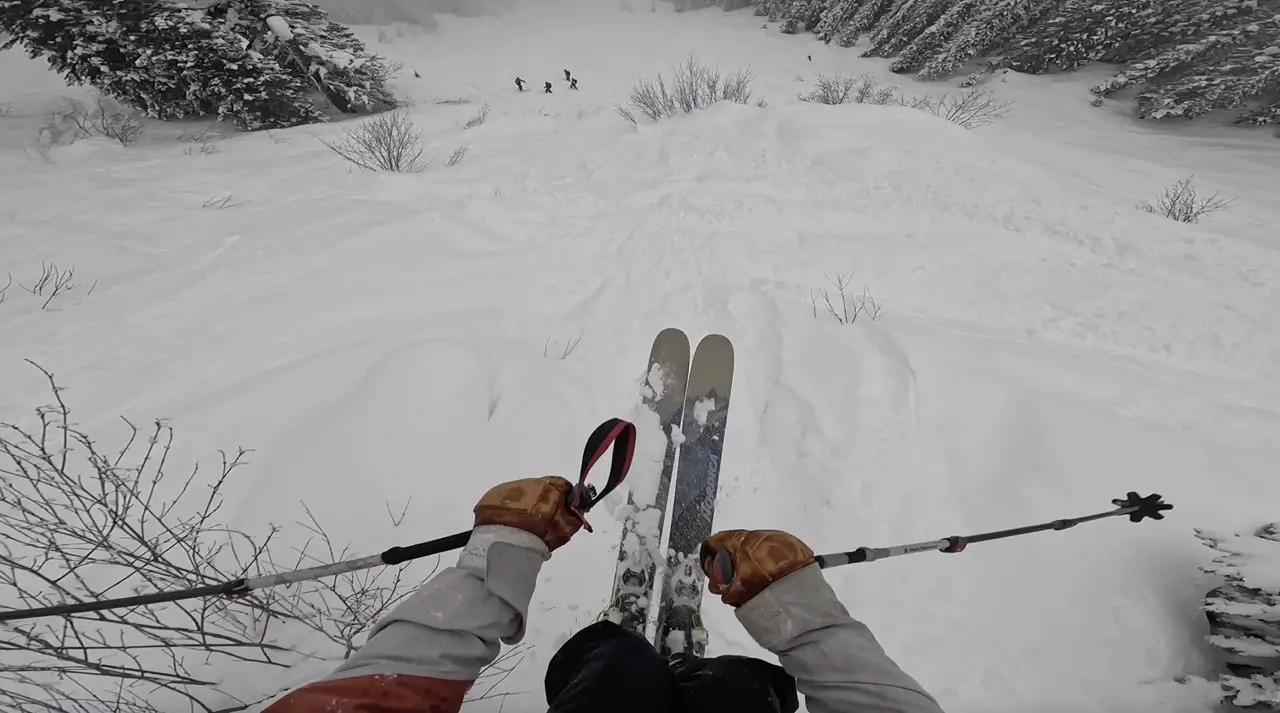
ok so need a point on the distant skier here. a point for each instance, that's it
(547, 87)
(424, 656)
(573, 83)
(519, 84)
(415, 74)
(566, 75)
(810, 58)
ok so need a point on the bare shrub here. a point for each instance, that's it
(455, 101)
(458, 154)
(843, 89)
(385, 142)
(386, 70)
(1182, 203)
(845, 306)
(80, 523)
(478, 119)
(5, 290)
(970, 108)
(112, 121)
(54, 281)
(693, 86)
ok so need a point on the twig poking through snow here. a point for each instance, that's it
(220, 203)
(52, 282)
(458, 154)
(478, 119)
(569, 346)
(846, 307)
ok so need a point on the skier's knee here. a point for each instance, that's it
(736, 684)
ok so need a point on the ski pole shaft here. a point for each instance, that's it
(1135, 506)
(614, 433)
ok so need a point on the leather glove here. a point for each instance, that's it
(760, 558)
(538, 506)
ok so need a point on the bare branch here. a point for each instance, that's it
(82, 523)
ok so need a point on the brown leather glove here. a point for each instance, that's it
(760, 558)
(536, 505)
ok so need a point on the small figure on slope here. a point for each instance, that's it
(424, 656)
(566, 75)
(519, 84)
(573, 83)
(547, 87)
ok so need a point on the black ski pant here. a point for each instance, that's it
(607, 669)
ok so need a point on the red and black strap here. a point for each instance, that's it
(621, 437)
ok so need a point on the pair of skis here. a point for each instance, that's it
(691, 399)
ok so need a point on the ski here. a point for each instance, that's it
(665, 377)
(697, 477)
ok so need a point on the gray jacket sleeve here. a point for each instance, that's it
(451, 627)
(838, 665)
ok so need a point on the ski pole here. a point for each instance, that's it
(615, 433)
(1135, 506)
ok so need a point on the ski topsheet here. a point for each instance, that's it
(666, 375)
(691, 401)
(693, 506)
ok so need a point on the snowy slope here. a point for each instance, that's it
(384, 338)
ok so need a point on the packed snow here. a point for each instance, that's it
(400, 341)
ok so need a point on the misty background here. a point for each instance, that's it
(422, 12)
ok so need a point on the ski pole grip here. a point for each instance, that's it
(862, 554)
(400, 555)
(721, 568)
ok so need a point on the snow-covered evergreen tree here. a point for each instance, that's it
(1178, 21)
(772, 9)
(1182, 44)
(835, 15)
(1080, 32)
(1241, 69)
(866, 17)
(904, 26)
(931, 41)
(161, 59)
(300, 37)
(986, 31)
(1244, 613)
(801, 16)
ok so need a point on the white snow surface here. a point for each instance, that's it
(380, 338)
(280, 27)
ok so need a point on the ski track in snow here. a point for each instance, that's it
(379, 339)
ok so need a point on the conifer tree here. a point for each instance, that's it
(985, 32)
(1241, 70)
(930, 42)
(164, 60)
(866, 18)
(902, 27)
(1079, 32)
(835, 16)
(302, 40)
